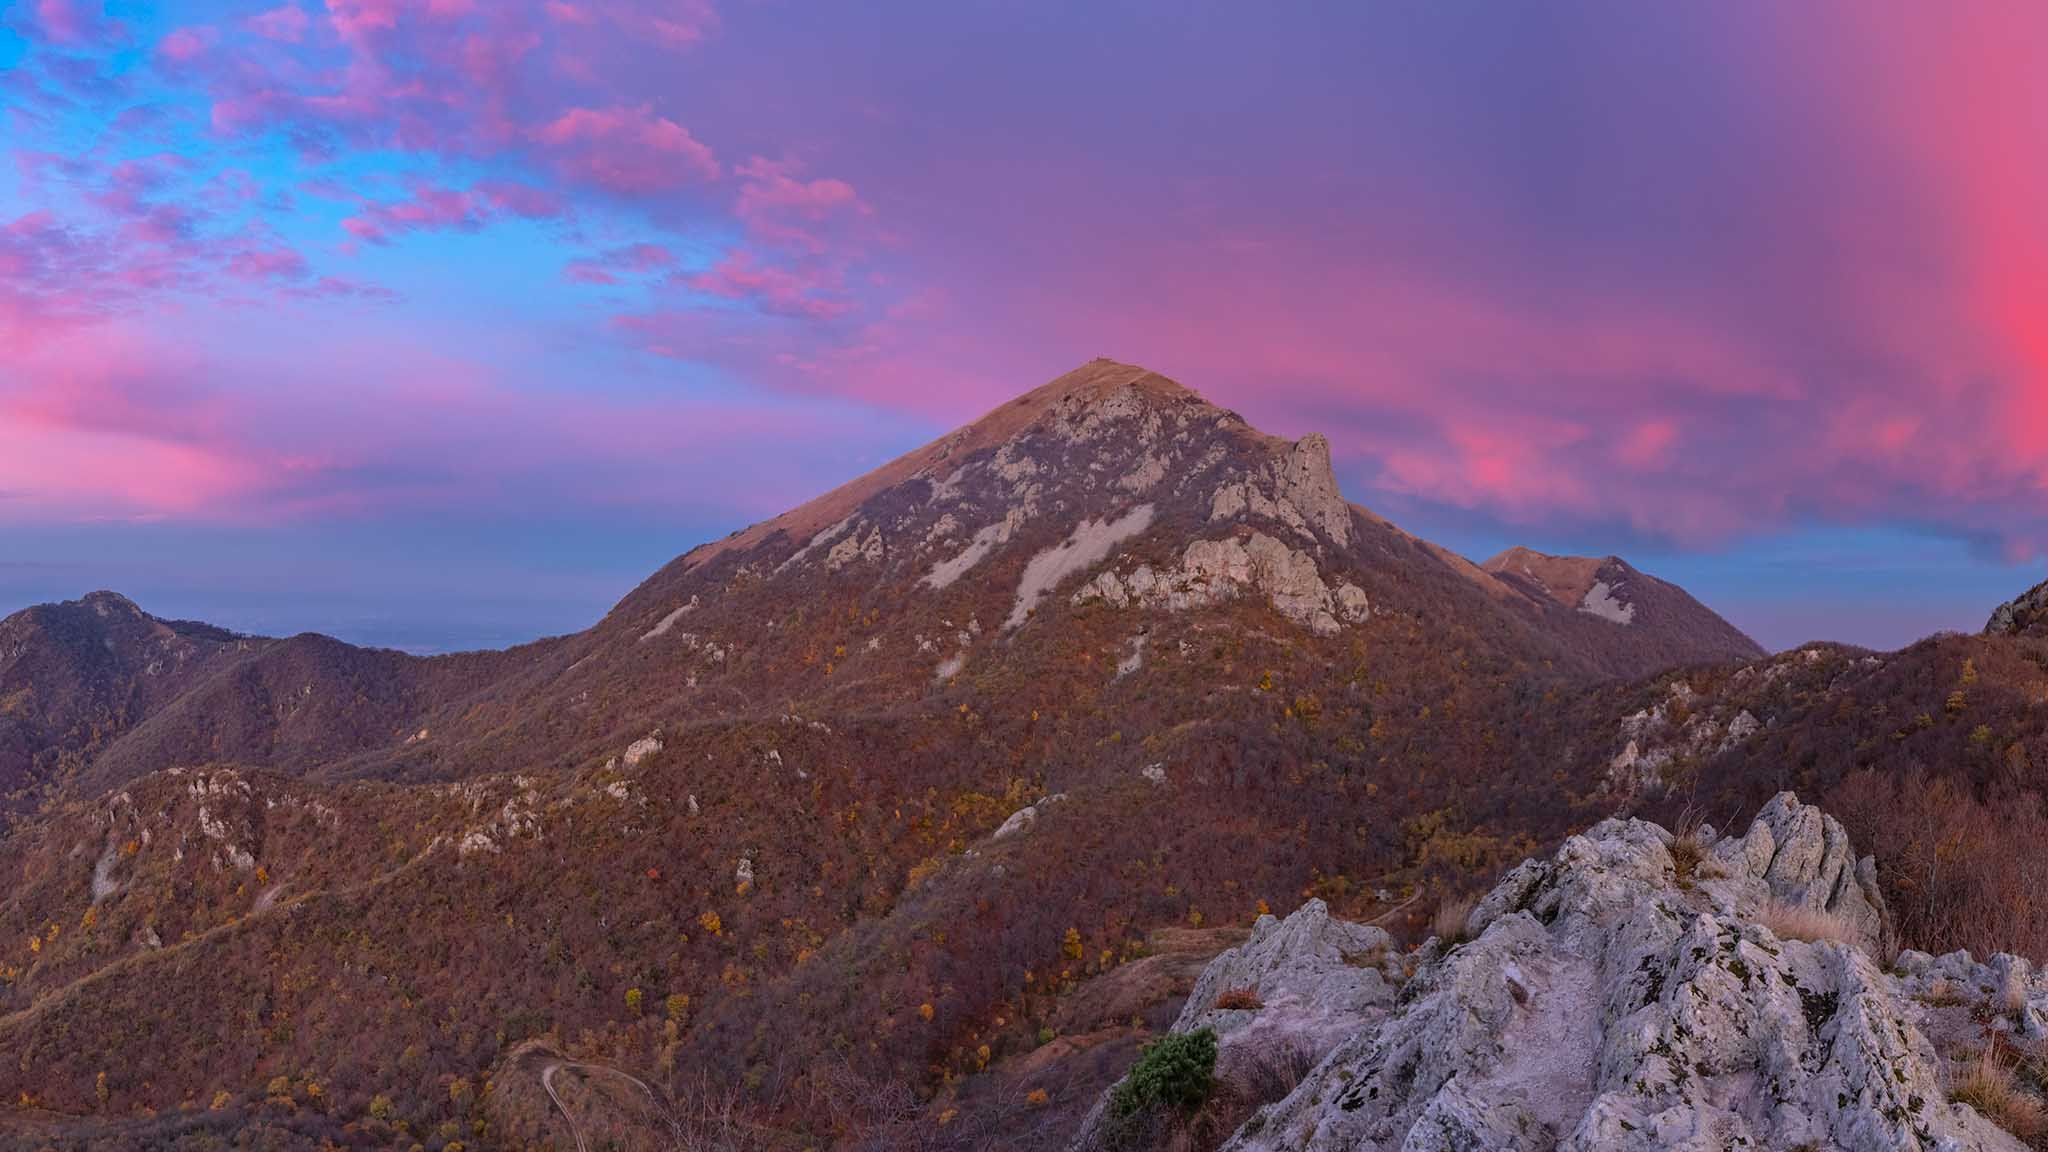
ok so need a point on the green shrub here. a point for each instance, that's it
(1175, 1073)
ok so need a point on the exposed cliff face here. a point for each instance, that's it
(1625, 996)
(2023, 615)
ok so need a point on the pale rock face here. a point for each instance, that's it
(2014, 615)
(986, 539)
(661, 627)
(1011, 467)
(855, 548)
(1133, 660)
(944, 528)
(1213, 571)
(1601, 601)
(641, 749)
(1088, 544)
(1803, 856)
(743, 875)
(1022, 819)
(1316, 976)
(1299, 491)
(1149, 471)
(818, 541)
(1654, 741)
(1600, 1004)
(1079, 421)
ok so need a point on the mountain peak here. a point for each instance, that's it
(1077, 407)
(1569, 580)
(1610, 589)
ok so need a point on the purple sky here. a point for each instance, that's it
(439, 323)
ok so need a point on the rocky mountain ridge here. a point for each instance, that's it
(1110, 490)
(749, 829)
(1637, 990)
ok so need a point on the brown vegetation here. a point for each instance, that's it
(1240, 999)
(1988, 1084)
(1791, 922)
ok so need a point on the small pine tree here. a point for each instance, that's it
(1176, 1072)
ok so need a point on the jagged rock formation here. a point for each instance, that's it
(1621, 996)
(1310, 975)
(2023, 615)
(1213, 571)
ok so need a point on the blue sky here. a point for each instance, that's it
(440, 323)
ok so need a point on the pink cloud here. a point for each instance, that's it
(1646, 444)
(357, 19)
(776, 203)
(72, 23)
(778, 290)
(184, 45)
(286, 23)
(523, 200)
(627, 150)
(430, 208)
(121, 425)
(603, 268)
(267, 264)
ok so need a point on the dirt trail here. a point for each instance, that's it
(58, 996)
(547, 1082)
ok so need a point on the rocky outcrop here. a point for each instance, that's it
(1213, 571)
(1088, 544)
(1298, 490)
(1022, 819)
(1802, 855)
(1619, 996)
(2021, 616)
(1308, 975)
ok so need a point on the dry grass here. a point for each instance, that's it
(1449, 923)
(2013, 998)
(1990, 1087)
(1943, 993)
(1240, 999)
(1689, 858)
(1687, 854)
(1790, 923)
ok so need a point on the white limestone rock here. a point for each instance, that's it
(641, 749)
(1022, 819)
(1298, 490)
(1214, 571)
(1600, 1003)
(1314, 976)
(1086, 546)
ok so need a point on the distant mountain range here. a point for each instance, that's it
(937, 790)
